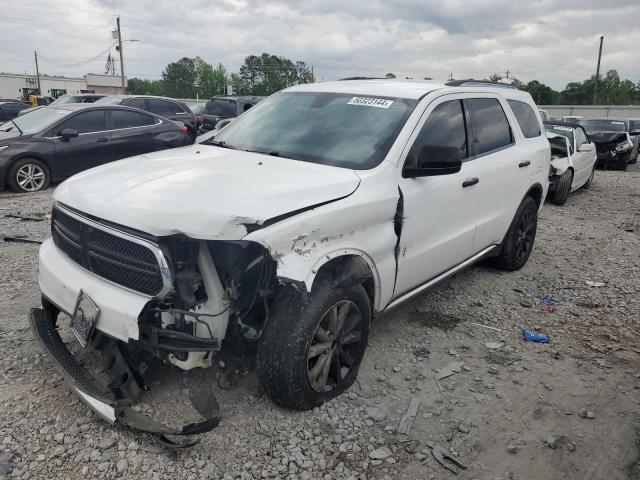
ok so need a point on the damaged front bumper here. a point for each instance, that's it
(112, 403)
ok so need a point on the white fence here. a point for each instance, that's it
(590, 111)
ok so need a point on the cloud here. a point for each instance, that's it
(554, 41)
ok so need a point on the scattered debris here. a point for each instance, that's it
(533, 336)
(494, 345)
(548, 308)
(29, 218)
(549, 299)
(421, 351)
(486, 326)
(446, 459)
(380, 454)
(20, 239)
(511, 448)
(451, 369)
(406, 422)
(596, 284)
(584, 413)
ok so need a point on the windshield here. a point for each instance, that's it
(560, 130)
(329, 128)
(197, 108)
(603, 126)
(635, 125)
(37, 120)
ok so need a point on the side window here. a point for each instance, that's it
(444, 126)
(175, 108)
(86, 122)
(159, 107)
(221, 108)
(128, 119)
(136, 103)
(581, 138)
(491, 128)
(526, 118)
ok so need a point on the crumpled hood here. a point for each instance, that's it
(607, 137)
(202, 191)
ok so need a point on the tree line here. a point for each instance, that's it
(193, 77)
(611, 91)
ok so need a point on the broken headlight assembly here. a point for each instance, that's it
(624, 146)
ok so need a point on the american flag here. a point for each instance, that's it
(109, 64)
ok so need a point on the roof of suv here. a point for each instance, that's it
(241, 98)
(409, 89)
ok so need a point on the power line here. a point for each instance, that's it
(79, 64)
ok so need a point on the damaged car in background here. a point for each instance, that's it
(317, 210)
(614, 145)
(573, 160)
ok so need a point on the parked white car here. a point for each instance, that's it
(573, 160)
(320, 208)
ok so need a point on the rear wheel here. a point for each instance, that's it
(311, 352)
(28, 175)
(518, 243)
(563, 187)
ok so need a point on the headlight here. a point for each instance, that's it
(622, 146)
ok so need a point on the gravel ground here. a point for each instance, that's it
(567, 410)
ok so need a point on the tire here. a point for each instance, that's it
(589, 182)
(563, 188)
(28, 175)
(624, 164)
(286, 364)
(518, 243)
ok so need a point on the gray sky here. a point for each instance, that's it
(554, 41)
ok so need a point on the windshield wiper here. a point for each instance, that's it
(273, 153)
(221, 143)
(8, 124)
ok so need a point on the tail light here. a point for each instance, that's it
(185, 130)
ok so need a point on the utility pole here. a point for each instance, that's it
(124, 87)
(37, 73)
(595, 87)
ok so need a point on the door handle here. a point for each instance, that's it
(148, 133)
(102, 140)
(469, 182)
(526, 163)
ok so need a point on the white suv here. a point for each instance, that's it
(315, 211)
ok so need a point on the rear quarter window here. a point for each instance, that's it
(526, 118)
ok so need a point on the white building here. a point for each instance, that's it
(20, 86)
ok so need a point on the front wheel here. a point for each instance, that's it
(563, 188)
(518, 243)
(28, 175)
(311, 352)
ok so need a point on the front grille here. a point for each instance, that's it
(110, 256)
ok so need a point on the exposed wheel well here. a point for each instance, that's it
(349, 270)
(535, 192)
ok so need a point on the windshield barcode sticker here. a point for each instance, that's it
(370, 102)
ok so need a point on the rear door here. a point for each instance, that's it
(133, 133)
(89, 149)
(502, 171)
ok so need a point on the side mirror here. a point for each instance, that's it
(68, 133)
(223, 123)
(435, 160)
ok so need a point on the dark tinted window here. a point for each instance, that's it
(86, 122)
(526, 118)
(221, 108)
(175, 108)
(127, 119)
(444, 126)
(160, 107)
(136, 103)
(490, 125)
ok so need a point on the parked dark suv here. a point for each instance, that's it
(165, 107)
(10, 110)
(220, 108)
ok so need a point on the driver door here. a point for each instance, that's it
(583, 157)
(89, 149)
(438, 211)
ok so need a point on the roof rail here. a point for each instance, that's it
(473, 83)
(360, 78)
